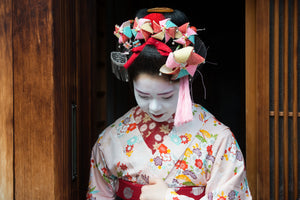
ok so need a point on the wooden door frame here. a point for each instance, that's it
(257, 99)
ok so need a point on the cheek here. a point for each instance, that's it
(171, 106)
(142, 103)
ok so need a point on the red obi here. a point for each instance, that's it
(131, 191)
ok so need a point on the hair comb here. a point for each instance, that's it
(160, 10)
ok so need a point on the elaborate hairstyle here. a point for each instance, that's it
(160, 41)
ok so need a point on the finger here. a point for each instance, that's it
(153, 181)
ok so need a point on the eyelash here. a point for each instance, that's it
(169, 97)
(146, 97)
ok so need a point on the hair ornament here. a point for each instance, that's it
(166, 29)
(160, 10)
(161, 47)
(187, 35)
(123, 32)
(182, 62)
(156, 30)
(142, 29)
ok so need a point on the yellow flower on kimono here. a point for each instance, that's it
(188, 152)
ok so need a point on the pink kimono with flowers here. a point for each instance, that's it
(202, 153)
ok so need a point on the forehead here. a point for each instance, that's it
(153, 84)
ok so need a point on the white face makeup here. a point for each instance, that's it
(156, 96)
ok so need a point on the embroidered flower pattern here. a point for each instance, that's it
(164, 156)
(198, 163)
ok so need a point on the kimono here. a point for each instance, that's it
(202, 157)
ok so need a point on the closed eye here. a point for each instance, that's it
(168, 97)
(144, 97)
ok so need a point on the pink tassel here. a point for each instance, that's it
(184, 111)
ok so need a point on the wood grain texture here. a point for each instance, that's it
(276, 99)
(6, 102)
(250, 75)
(257, 97)
(34, 99)
(65, 84)
(262, 106)
(286, 98)
(295, 99)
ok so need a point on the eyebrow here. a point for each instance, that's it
(161, 94)
(165, 93)
(141, 92)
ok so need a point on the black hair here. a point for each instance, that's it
(149, 60)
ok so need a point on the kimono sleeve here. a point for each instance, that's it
(227, 178)
(101, 183)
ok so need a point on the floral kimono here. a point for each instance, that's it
(200, 158)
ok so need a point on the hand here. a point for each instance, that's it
(156, 190)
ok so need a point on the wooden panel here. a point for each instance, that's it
(250, 75)
(285, 112)
(295, 99)
(276, 88)
(6, 101)
(33, 99)
(276, 99)
(286, 97)
(64, 70)
(257, 99)
(262, 74)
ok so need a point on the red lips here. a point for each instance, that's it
(157, 116)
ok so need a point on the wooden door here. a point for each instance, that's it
(39, 85)
(272, 98)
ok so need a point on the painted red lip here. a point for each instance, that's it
(158, 116)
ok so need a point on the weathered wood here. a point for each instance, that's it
(6, 101)
(33, 99)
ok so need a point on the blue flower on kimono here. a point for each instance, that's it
(133, 140)
(175, 138)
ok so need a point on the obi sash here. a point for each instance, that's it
(131, 191)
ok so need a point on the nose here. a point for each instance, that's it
(154, 106)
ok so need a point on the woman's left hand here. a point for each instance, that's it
(156, 190)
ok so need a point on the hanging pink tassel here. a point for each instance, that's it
(184, 111)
